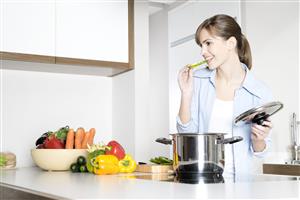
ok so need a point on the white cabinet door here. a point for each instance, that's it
(27, 26)
(94, 30)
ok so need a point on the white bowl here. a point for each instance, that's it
(56, 159)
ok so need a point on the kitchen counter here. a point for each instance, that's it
(67, 185)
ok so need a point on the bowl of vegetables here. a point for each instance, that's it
(56, 159)
(57, 150)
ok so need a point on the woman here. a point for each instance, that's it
(212, 98)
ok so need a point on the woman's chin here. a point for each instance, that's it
(211, 67)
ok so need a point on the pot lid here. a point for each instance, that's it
(260, 113)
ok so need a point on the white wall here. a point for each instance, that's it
(159, 90)
(123, 111)
(35, 102)
(272, 29)
(140, 97)
(131, 116)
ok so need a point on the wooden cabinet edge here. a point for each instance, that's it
(130, 34)
(62, 60)
(26, 57)
(96, 63)
(281, 169)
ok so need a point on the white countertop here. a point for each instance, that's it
(67, 185)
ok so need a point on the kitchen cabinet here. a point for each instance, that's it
(95, 30)
(10, 193)
(85, 33)
(28, 27)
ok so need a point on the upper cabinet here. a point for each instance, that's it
(86, 33)
(95, 30)
(28, 27)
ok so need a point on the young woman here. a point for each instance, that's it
(212, 98)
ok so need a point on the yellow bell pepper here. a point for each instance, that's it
(127, 164)
(105, 164)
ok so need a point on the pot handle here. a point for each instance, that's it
(230, 140)
(163, 140)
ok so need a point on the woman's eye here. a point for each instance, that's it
(207, 43)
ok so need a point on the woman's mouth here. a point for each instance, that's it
(208, 60)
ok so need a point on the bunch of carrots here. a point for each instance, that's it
(81, 139)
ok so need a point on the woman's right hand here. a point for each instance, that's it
(185, 80)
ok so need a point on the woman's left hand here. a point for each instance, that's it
(260, 132)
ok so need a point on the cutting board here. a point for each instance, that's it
(281, 169)
(152, 168)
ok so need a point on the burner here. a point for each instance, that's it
(195, 178)
(208, 168)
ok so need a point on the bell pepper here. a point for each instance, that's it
(116, 149)
(127, 164)
(105, 164)
(93, 151)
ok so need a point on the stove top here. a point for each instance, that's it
(214, 178)
(194, 179)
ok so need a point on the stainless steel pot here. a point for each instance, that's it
(198, 153)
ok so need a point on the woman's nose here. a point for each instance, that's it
(203, 51)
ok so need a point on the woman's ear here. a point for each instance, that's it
(231, 43)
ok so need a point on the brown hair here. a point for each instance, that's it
(225, 26)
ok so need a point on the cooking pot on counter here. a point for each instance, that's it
(195, 154)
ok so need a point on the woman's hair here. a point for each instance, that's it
(225, 26)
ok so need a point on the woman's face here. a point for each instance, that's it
(214, 49)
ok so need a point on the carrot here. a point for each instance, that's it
(70, 139)
(85, 140)
(91, 136)
(79, 136)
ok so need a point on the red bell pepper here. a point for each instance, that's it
(116, 149)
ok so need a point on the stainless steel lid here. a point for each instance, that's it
(260, 113)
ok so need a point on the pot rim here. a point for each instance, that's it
(197, 134)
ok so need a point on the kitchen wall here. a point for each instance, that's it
(273, 32)
(34, 102)
(159, 87)
(140, 97)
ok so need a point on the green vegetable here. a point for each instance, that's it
(83, 168)
(62, 133)
(197, 64)
(81, 160)
(161, 160)
(91, 156)
(97, 153)
(75, 167)
(89, 166)
(3, 160)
